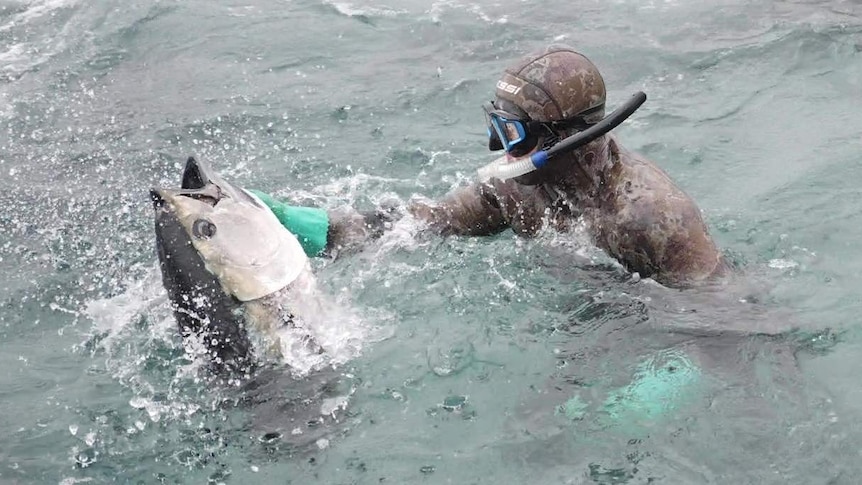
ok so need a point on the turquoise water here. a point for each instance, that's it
(495, 360)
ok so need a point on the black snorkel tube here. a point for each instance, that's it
(607, 124)
(503, 168)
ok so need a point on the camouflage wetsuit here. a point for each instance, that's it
(632, 209)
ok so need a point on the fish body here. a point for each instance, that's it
(228, 266)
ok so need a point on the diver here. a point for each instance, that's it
(561, 165)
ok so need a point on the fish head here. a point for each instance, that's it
(236, 237)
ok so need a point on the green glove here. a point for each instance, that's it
(309, 224)
(660, 385)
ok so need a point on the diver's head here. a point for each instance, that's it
(542, 99)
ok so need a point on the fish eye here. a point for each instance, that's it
(203, 229)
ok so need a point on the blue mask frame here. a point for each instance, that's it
(505, 130)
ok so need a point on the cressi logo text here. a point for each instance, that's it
(509, 88)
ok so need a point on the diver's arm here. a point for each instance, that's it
(697, 257)
(663, 237)
(683, 249)
(474, 210)
(349, 229)
(325, 233)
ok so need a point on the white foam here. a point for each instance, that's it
(110, 316)
(577, 241)
(36, 10)
(348, 189)
(325, 330)
(24, 56)
(73, 480)
(351, 10)
(438, 8)
(782, 264)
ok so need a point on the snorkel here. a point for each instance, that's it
(503, 168)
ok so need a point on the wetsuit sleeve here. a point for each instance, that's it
(310, 225)
(474, 210)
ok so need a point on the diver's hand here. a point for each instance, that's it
(350, 229)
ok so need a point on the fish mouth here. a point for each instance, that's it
(202, 183)
(210, 195)
(199, 182)
(198, 175)
(157, 197)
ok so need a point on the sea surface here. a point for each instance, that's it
(483, 360)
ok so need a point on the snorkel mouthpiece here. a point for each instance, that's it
(502, 168)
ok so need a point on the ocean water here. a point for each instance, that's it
(483, 360)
